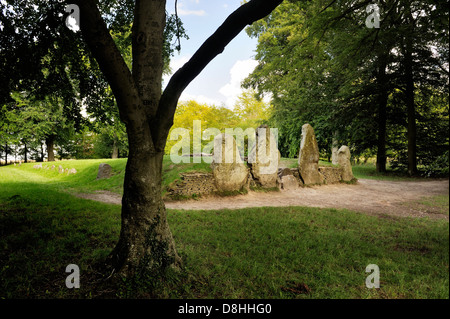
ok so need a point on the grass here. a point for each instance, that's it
(292, 252)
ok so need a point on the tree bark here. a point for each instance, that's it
(115, 150)
(409, 92)
(382, 115)
(146, 245)
(25, 153)
(50, 142)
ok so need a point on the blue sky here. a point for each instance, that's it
(219, 83)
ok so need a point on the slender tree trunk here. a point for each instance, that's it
(50, 148)
(382, 116)
(25, 153)
(6, 153)
(334, 149)
(42, 152)
(411, 110)
(115, 150)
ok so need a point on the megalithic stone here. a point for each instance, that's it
(264, 158)
(229, 170)
(345, 164)
(308, 157)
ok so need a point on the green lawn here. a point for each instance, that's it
(293, 252)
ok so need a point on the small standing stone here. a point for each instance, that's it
(345, 164)
(104, 171)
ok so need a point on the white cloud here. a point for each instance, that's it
(239, 71)
(186, 12)
(201, 99)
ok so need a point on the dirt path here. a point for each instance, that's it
(399, 198)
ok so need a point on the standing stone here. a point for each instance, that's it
(229, 170)
(345, 164)
(308, 158)
(60, 169)
(104, 171)
(72, 171)
(264, 168)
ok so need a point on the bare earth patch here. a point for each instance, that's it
(388, 198)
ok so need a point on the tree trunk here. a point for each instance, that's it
(115, 150)
(334, 149)
(146, 245)
(411, 111)
(42, 152)
(50, 140)
(25, 160)
(382, 116)
(6, 153)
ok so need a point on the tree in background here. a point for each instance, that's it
(357, 84)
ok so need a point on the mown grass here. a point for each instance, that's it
(292, 252)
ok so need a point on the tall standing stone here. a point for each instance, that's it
(229, 170)
(345, 164)
(264, 158)
(308, 158)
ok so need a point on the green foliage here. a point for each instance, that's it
(322, 66)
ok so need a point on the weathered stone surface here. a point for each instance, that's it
(229, 171)
(345, 164)
(332, 175)
(72, 171)
(194, 184)
(60, 169)
(283, 171)
(289, 182)
(308, 158)
(264, 157)
(104, 171)
(37, 166)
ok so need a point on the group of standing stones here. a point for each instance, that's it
(308, 162)
(231, 173)
(60, 168)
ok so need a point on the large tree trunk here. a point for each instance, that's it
(146, 245)
(382, 116)
(50, 142)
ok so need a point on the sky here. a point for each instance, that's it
(219, 83)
